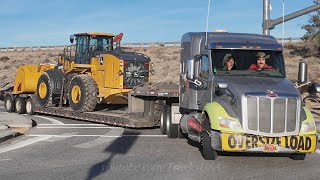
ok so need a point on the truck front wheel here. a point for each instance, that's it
(207, 152)
(20, 105)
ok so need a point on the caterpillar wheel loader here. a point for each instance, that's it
(91, 71)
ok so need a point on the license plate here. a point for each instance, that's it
(270, 148)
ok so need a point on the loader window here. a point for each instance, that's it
(82, 55)
(99, 43)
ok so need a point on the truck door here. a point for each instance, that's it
(204, 90)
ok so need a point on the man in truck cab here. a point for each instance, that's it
(261, 62)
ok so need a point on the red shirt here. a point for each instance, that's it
(255, 67)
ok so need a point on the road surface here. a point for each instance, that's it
(60, 148)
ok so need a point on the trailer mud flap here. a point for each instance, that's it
(236, 142)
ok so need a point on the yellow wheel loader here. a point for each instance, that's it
(95, 72)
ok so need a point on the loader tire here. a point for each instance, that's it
(44, 90)
(9, 104)
(83, 93)
(20, 105)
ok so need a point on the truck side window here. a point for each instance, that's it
(204, 67)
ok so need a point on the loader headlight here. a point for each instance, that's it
(230, 124)
(307, 127)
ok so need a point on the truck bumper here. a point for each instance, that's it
(254, 143)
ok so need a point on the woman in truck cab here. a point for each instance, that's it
(229, 63)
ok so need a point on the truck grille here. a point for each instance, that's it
(276, 116)
(136, 73)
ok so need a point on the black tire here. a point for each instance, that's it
(297, 156)
(44, 91)
(207, 152)
(163, 120)
(171, 129)
(29, 107)
(86, 99)
(181, 135)
(9, 104)
(20, 105)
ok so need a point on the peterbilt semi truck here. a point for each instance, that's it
(242, 110)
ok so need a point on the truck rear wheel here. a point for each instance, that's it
(171, 129)
(44, 90)
(29, 107)
(20, 105)
(207, 152)
(163, 120)
(9, 104)
(83, 93)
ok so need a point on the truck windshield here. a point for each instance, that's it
(246, 63)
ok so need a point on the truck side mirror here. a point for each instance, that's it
(71, 39)
(303, 73)
(190, 73)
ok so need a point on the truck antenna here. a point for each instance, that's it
(206, 44)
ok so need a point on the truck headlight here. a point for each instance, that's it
(309, 126)
(230, 124)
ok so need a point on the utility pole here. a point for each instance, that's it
(269, 24)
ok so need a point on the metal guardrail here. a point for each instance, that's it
(149, 44)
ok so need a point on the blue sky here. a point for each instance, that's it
(39, 22)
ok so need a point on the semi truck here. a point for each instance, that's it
(242, 110)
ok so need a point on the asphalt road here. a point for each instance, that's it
(67, 149)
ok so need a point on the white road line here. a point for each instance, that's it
(8, 159)
(74, 127)
(92, 135)
(23, 144)
(54, 121)
(115, 133)
(53, 139)
(318, 151)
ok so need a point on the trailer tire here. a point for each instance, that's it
(83, 93)
(44, 90)
(29, 107)
(171, 129)
(20, 105)
(163, 120)
(297, 156)
(207, 152)
(9, 104)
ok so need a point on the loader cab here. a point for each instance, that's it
(91, 44)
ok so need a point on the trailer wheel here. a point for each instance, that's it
(207, 152)
(163, 120)
(83, 93)
(297, 156)
(44, 90)
(9, 104)
(20, 105)
(171, 129)
(29, 107)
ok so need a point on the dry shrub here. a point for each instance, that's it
(4, 58)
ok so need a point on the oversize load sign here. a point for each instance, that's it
(235, 142)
